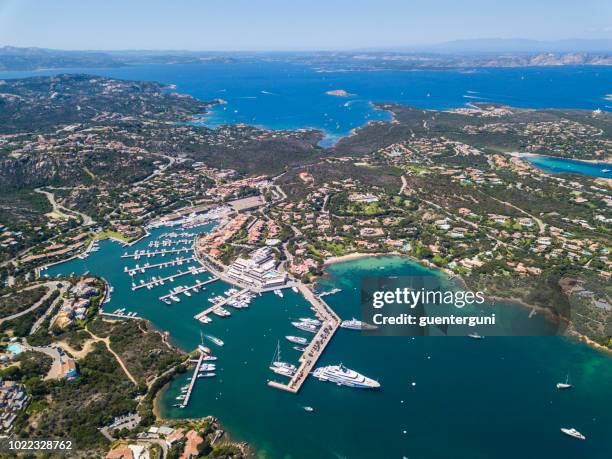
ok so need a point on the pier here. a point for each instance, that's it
(146, 253)
(219, 304)
(169, 242)
(119, 316)
(185, 401)
(176, 261)
(330, 323)
(168, 278)
(197, 285)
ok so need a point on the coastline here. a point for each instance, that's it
(456, 277)
(245, 447)
(588, 341)
(604, 162)
(357, 255)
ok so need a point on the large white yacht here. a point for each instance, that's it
(355, 324)
(343, 376)
(573, 433)
(305, 326)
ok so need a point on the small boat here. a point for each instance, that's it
(299, 349)
(305, 326)
(475, 336)
(573, 433)
(215, 340)
(308, 408)
(221, 312)
(297, 340)
(565, 385)
(207, 375)
(203, 348)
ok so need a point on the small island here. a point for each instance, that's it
(339, 93)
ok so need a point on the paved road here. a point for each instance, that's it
(56, 367)
(541, 224)
(58, 208)
(42, 318)
(51, 286)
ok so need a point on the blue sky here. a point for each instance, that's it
(292, 24)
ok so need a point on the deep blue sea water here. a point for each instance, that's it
(280, 95)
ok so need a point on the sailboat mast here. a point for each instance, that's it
(276, 356)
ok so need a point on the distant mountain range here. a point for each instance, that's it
(492, 52)
(517, 45)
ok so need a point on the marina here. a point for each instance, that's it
(161, 280)
(183, 289)
(313, 351)
(148, 253)
(147, 266)
(194, 378)
(397, 362)
(219, 304)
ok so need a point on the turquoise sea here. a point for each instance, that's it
(561, 166)
(441, 397)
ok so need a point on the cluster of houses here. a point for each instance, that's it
(225, 189)
(13, 399)
(259, 227)
(211, 243)
(9, 238)
(166, 434)
(75, 307)
(66, 245)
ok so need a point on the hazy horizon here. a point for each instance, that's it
(460, 46)
(272, 25)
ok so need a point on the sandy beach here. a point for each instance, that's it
(357, 255)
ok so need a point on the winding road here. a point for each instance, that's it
(51, 286)
(59, 209)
